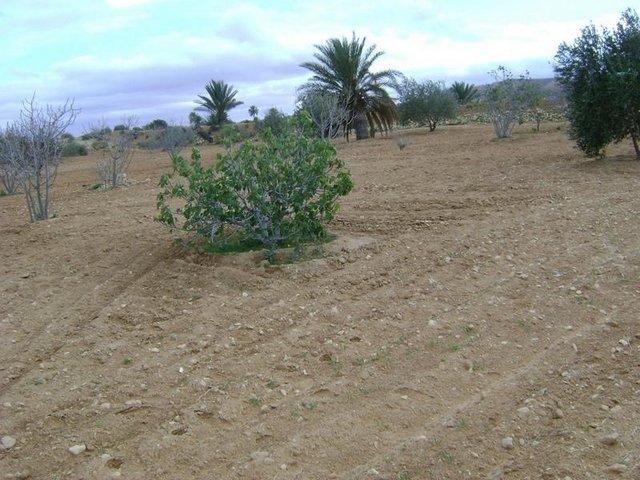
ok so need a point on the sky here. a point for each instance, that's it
(150, 59)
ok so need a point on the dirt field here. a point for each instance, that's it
(477, 317)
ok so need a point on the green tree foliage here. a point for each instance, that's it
(600, 73)
(73, 149)
(344, 67)
(195, 120)
(282, 190)
(156, 124)
(509, 98)
(464, 92)
(219, 99)
(425, 103)
(274, 120)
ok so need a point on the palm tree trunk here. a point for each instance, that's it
(361, 125)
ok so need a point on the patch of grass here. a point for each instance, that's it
(272, 384)
(447, 457)
(469, 329)
(336, 367)
(381, 355)
(453, 347)
(127, 361)
(309, 405)
(95, 186)
(37, 381)
(404, 476)
(255, 401)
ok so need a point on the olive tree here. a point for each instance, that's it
(600, 73)
(30, 152)
(425, 103)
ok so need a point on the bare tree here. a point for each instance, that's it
(173, 139)
(329, 111)
(116, 148)
(31, 148)
(8, 173)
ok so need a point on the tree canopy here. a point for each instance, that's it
(600, 73)
(425, 103)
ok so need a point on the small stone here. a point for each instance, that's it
(449, 422)
(77, 449)
(523, 412)
(557, 413)
(373, 471)
(115, 462)
(25, 275)
(260, 457)
(507, 443)
(616, 468)
(610, 439)
(8, 442)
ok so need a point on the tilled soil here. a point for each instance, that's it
(476, 317)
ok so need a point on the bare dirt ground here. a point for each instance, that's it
(477, 317)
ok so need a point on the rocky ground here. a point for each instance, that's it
(476, 317)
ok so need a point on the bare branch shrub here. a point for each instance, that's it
(8, 173)
(31, 147)
(116, 148)
(330, 113)
(173, 139)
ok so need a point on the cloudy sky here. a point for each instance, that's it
(151, 58)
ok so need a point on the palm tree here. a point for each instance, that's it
(343, 67)
(464, 92)
(253, 112)
(220, 98)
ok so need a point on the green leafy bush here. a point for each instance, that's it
(74, 149)
(280, 191)
(228, 134)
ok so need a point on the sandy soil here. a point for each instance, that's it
(477, 317)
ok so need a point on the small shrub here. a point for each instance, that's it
(74, 149)
(228, 134)
(120, 128)
(277, 192)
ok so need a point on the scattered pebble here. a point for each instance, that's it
(507, 443)
(523, 412)
(8, 442)
(616, 468)
(557, 413)
(610, 439)
(77, 449)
